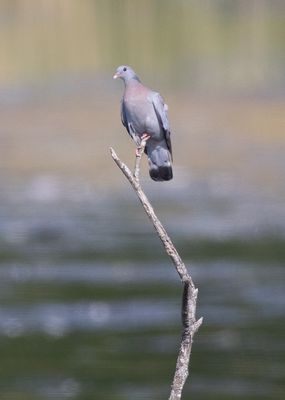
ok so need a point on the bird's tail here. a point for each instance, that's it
(160, 163)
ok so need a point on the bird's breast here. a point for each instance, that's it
(142, 117)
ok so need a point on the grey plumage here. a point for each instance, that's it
(143, 112)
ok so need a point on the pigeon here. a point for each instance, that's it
(144, 115)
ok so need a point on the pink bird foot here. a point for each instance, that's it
(145, 136)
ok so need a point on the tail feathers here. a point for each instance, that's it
(161, 173)
(160, 168)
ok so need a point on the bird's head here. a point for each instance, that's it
(126, 73)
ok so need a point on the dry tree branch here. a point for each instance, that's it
(189, 299)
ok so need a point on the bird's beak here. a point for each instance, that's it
(116, 76)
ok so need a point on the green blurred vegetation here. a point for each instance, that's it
(207, 45)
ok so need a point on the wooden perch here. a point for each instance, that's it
(190, 325)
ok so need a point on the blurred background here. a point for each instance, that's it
(89, 302)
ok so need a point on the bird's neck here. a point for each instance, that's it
(133, 81)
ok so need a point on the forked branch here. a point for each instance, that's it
(190, 325)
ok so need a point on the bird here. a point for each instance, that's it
(144, 115)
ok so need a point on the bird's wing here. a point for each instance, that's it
(160, 109)
(124, 117)
(128, 124)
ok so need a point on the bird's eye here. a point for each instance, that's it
(124, 69)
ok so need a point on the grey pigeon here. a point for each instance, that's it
(144, 114)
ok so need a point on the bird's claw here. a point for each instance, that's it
(145, 137)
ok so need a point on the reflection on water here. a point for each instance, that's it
(86, 290)
(85, 295)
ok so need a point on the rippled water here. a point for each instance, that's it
(90, 305)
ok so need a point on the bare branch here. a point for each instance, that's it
(190, 325)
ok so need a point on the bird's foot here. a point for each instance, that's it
(145, 136)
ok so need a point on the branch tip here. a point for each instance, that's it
(198, 324)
